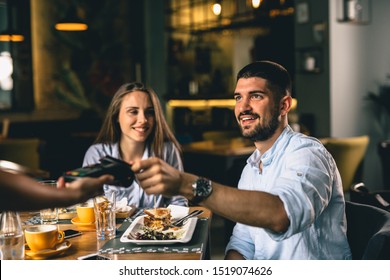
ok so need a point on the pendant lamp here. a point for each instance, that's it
(10, 34)
(71, 22)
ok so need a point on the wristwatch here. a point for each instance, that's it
(201, 188)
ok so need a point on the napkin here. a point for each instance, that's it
(89, 202)
(177, 211)
(121, 205)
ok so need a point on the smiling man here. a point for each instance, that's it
(289, 202)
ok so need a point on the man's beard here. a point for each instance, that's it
(262, 132)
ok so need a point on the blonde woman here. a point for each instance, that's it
(135, 128)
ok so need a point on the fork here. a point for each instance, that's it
(180, 222)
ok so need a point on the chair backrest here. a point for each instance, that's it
(359, 193)
(21, 151)
(348, 154)
(368, 231)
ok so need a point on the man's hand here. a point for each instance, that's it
(156, 176)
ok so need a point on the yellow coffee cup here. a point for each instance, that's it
(43, 237)
(85, 213)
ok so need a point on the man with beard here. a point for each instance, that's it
(289, 203)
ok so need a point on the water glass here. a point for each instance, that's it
(11, 237)
(105, 215)
(49, 215)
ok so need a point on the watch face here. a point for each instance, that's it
(203, 187)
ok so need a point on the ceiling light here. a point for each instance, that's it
(217, 8)
(71, 22)
(11, 36)
(256, 3)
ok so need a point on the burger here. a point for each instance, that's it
(157, 218)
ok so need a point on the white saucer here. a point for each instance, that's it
(44, 254)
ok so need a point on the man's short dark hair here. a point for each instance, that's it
(278, 79)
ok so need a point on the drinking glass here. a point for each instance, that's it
(11, 236)
(49, 215)
(105, 215)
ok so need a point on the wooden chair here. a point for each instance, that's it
(348, 154)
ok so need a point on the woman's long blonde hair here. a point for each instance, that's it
(110, 131)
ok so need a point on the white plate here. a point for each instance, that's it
(185, 233)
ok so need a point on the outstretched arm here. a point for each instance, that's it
(253, 208)
(19, 192)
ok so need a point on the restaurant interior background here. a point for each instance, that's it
(62, 81)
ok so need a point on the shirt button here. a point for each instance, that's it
(299, 174)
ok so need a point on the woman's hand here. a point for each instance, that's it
(85, 188)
